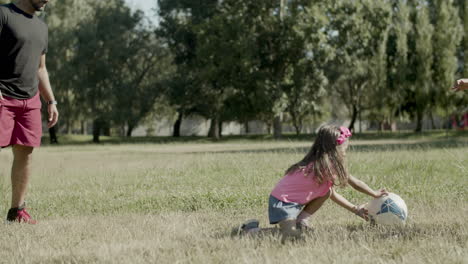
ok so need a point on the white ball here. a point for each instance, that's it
(388, 210)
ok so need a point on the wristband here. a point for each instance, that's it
(53, 102)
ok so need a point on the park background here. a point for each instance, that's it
(268, 72)
(213, 68)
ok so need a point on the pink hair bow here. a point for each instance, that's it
(345, 133)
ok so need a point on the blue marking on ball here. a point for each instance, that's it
(390, 206)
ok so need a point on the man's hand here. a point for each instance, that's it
(461, 84)
(53, 115)
(380, 193)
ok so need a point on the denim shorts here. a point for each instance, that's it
(279, 210)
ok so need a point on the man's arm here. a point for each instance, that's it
(461, 84)
(46, 92)
(361, 186)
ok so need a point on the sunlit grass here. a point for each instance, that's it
(177, 202)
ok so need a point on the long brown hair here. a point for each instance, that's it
(326, 157)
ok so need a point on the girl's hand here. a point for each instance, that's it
(362, 212)
(380, 193)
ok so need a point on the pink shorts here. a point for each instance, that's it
(20, 122)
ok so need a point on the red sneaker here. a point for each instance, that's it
(20, 215)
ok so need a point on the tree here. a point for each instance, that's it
(115, 58)
(460, 101)
(388, 98)
(358, 33)
(143, 74)
(62, 18)
(263, 64)
(248, 97)
(447, 36)
(307, 56)
(421, 61)
(214, 78)
(179, 19)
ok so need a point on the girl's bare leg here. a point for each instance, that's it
(315, 204)
(288, 229)
(310, 209)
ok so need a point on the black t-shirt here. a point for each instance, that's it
(23, 40)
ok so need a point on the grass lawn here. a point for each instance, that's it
(155, 200)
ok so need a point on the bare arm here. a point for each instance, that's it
(361, 186)
(343, 202)
(461, 84)
(46, 92)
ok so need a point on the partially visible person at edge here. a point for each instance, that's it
(23, 77)
(461, 84)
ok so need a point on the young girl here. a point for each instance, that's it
(308, 183)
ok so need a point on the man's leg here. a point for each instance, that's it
(20, 173)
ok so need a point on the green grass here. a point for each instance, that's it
(163, 201)
(67, 139)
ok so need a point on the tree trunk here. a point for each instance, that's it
(214, 129)
(282, 9)
(69, 127)
(106, 129)
(298, 127)
(431, 116)
(220, 129)
(130, 130)
(246, 126)
(277, 127)
(177, 125)
(84, 129)
(353, 118)
(296, 123)
(122, 130)
(96, 130)
(53, 135)
(419, 119)
(360, 121)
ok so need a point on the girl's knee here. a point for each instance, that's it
(288, 228)
(287, 225)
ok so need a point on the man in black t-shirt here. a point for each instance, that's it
(23, 77)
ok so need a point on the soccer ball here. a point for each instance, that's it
(388, 210)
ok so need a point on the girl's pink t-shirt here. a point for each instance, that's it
(300, 187)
